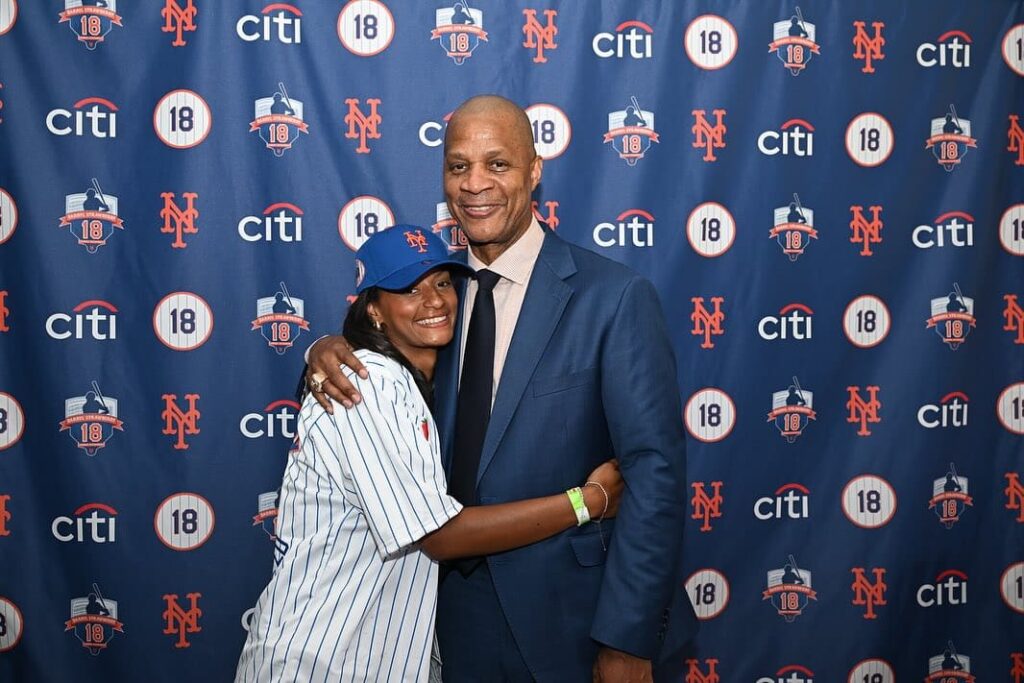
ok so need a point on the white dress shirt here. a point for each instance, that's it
(515, 266)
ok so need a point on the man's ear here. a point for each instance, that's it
(536, 171)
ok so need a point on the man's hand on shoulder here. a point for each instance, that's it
(326, 356)
(615, 666)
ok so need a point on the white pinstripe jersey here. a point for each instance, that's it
(352, 598)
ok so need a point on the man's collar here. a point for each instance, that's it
(516, 263)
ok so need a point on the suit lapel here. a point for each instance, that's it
(546, 298)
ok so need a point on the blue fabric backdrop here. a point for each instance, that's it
(838, 259)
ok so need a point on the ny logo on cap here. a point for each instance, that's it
(416, 240)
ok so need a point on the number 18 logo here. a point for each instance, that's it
(184, 521)
(183, 321)
(182, 119)
(710, 42)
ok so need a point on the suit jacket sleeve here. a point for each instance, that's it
(641, 405)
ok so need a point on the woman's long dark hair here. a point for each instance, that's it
(361, 334)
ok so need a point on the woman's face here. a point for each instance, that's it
(421, 317)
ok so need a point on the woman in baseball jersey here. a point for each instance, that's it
(364, 515)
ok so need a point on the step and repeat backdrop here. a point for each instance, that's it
(829, 198)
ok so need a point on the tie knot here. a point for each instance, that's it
(487, 279)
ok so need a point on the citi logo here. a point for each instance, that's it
(795, 137)
(94, 319)
(277, 419)
(794, 321)
(790, 501)
(279, 21)
(951, 411)
(632, 228)
(631, 39)
(281, 222)
(432, 132)
(91, 523)
(953, 48)
(92, 116)
(950, 588)
(794, 673)
(952, 229)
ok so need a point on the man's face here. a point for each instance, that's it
(490, 171)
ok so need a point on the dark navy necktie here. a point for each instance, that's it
(473, 410)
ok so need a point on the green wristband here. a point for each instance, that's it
(578, 506)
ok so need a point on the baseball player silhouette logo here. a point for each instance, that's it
(266, 514)
(793, 42)
(950, 139)
(631, 132)
(279, 120)
(279, 319)
(90, 420)
(949, 666)
(91, 217)
(952, 317)
(789, 590)
(792, 410)
(458, 30)
(90, 20)
(950, 497)
(93, 619)
(448, 229)
(793, 228)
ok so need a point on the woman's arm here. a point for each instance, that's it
(486, 529)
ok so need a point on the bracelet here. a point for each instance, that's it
(607, 500)
(578, 506)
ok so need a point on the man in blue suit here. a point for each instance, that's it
(582, 370)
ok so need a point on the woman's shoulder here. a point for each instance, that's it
(384, 373)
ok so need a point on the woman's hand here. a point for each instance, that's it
(326, 358)
(608, 476)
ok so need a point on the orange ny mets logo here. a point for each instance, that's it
(863, 411)
(1014, 496)
(707, 323)
(5, 516)
(1013, 313)
(180, 620)
(178, 221)
(4, 311)
(695, 675)
(707, 136)
(705, 506)
(864, 231)
(551, 220)
(867, 594)
(1016, 137)
(1018, 666)
(178, 422)
(540, 37)
(416, 240)
(867, 48)
(361, 125)
(178, 19)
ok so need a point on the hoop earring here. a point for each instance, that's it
(378, 326)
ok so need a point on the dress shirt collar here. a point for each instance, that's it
(516, 263)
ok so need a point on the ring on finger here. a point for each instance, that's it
(316, 382)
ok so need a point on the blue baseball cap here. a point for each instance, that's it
(398, 256)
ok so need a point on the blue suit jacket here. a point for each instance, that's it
(589, 375)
